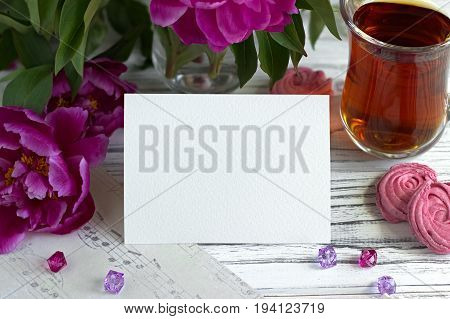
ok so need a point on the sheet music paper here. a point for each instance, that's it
(168, 271)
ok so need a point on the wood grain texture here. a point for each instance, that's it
(291, 270)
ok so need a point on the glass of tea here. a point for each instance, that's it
(394, 102)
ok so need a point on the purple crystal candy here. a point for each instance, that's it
(368, 258)
(57, 261)
(114, 282)
(386, 285)
(327, 257)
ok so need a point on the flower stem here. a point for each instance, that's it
(215, 60)
(171, 65)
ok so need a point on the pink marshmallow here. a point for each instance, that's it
(429, 216)
(397, 186)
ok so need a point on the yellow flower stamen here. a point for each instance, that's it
(93, 103)
(62, 102)
(8, 177)
(37, 164)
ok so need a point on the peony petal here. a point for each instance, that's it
(54, 211)
(103, 74)
(111, 122)
(4, 164)
(74, 221)
(9, 140)
(279, 22)
(21, 115)
(68, 123)
(60, 178)
(107, 65)
(208, 4)
(231, 22)
(14, 195)
(187, 29)
(166, 12)
(257, 20)
(60, 85)
(36, 186)
(12, 229)
(93, 149)
(19, 169)
(287, 6)
(35, 219)
(80, 165)
(34, 139)
(207, 23)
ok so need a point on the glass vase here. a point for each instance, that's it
(194, 68)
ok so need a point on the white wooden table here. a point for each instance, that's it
(291, 270)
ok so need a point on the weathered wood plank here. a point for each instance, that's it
(291, 270)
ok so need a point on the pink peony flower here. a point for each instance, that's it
(304, 81)
(101, 94)
(44, 172)
(220, 23)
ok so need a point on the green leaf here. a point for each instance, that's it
(316, 27)
(302, 4)
(122, 49)
(42, 15)
(16, 9)
(11, 76)
(125, 16)
(274, 58)
(78, 59)
(147, 44)
(12, 23)
(118, 16)
(47, 15)
(71, 31)
(32, 49)
(32, 88)
(97, 34)
(246, 59)
(324, 9)
(299, 28)
(74, 78)
(8, 52)
(289, 39)
(33, 9)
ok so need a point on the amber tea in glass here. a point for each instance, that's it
(394, 102)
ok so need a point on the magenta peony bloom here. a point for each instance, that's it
(101, 94)
(220, 23)
(44, 172)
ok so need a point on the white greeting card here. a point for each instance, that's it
(227, 169)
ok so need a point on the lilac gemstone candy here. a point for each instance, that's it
(57, 261)
(327, 257)
(114, 282)
(386, 285)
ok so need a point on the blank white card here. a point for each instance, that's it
(227, 169)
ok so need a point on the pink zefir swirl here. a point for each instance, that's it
(303, 81)
(429, 216)
(397, 186)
